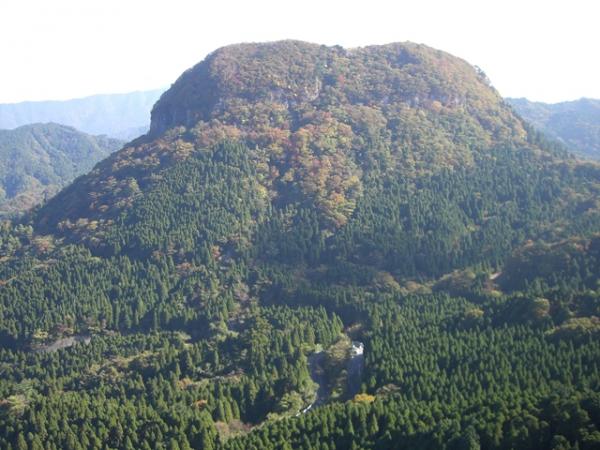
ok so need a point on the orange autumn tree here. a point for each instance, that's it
(320, 161)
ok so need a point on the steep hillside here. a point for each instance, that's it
(36, 161)
(576, 123)
(289, 199)
(121, 116)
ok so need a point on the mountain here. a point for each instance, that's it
(122, 116)
(313, 121)
(576, 123)
(37, 160)
(313, 247)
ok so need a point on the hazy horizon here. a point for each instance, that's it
(101, 94)
(83, 97)
(66, 49)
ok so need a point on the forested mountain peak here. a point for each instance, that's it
(37, 160)
(307, 113)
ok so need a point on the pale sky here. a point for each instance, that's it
(59, 49)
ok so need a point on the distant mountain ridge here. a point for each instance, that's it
(576, 123)
(123, 116)
(37, 160)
